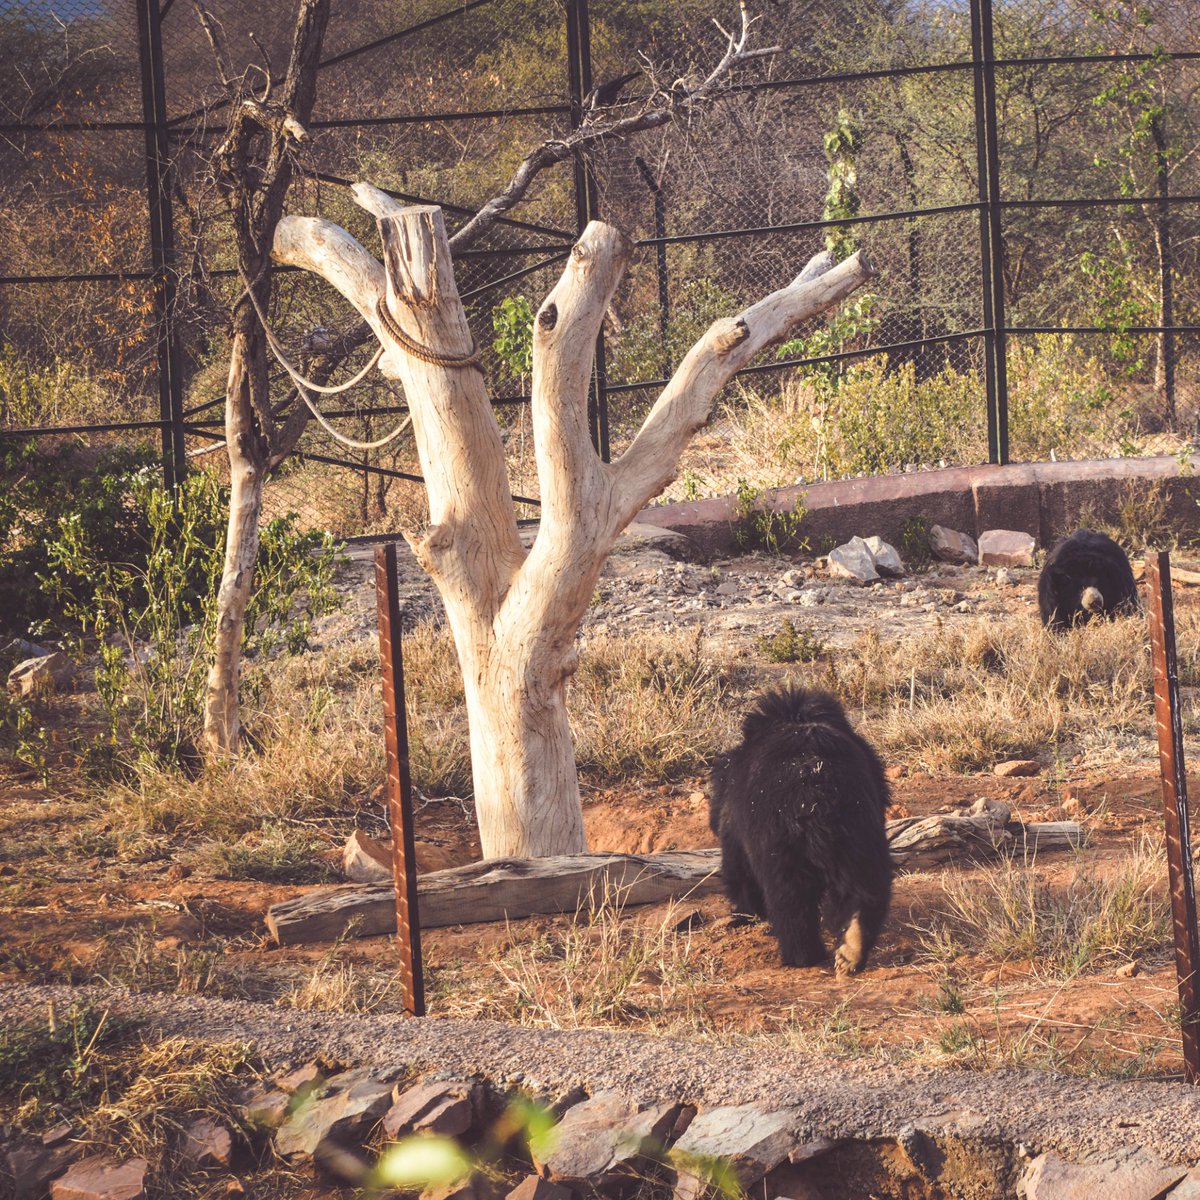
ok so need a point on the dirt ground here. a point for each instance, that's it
(69, 918)
(72, 911)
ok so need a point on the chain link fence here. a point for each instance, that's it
(1023, 176)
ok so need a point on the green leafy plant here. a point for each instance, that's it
(915, 547)
(759, 526)
(512, 323)
(791, 645)
(842, 144)
(150, 618)
(40, 487)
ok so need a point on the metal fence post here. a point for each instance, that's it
(1166, 316)
(399, 782)
(660, 233)
(162, 238)
(1169, 720)
(991, 233)
(587, 201)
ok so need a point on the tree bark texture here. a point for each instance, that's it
(253, 166)
(514, 616)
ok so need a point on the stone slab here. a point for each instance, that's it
(601, 1137)
(102, 1177)
(342, 1109)
(1135, 1174)
(753, 1140)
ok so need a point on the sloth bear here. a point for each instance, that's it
(799, 808)
(1086, 575)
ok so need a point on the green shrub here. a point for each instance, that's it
(151, 616)
(39, 488)
(791, 645)
(759, 526)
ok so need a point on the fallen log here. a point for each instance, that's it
(510, 888)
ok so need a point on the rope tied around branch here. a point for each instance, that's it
(424, 353)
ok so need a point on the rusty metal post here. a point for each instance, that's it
(1175, 807)
(399, 782)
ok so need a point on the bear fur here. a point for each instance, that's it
(799, 809)
(1086, 575)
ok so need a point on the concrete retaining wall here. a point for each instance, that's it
(1042, 499)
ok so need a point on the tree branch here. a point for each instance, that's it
(564, 345)
(683, 406)
(660, 108)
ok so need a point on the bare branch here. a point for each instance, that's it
(209, 24)
(660, 108)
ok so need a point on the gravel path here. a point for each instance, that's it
(859, 1099)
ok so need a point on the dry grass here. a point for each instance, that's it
(603, 967)
(336, 984)
(650, 706)
(963, 700)
(1092, 917)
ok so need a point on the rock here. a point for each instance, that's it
(753, 1140)
(1188, 1188)
(337, 1111)
(206, 1144)
(302, 1080)
(32, 1167)
(951, 546)
(641, 535)
(887, 558)
(40, 675)
(1006, 548)
(19, 649)
(266, 1108)
(728, 588)
(601, 1137)
(532, 1187)
(101, 1177)
(810, 597)
(57, 1134)
(1005, 578)
(1132, 1174)
(1017, 768)
(444, 1108)
(795, 578)
(853, 561)
(996, 810)
(366, 859)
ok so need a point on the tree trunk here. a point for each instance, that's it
(514, 616)
(247, 472)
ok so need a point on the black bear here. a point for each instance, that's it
(1086, 575)
(799, 808)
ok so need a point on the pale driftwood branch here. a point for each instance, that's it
(326, 249)
(660, 108)
(512, 888)
(564, 341)
(651, 460)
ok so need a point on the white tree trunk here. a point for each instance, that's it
(514, 616)
(247, 469)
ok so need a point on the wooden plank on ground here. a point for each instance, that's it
(496, 890)
(511, 888)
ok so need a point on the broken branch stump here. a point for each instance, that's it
(511, 888)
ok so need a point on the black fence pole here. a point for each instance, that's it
(587, 205)
(660, 233)
(985, 235)
(998, 416)
(1166, 316)
(399, 781)
(162, 238)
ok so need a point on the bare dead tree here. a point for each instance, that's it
(253, 167)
